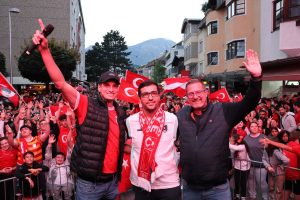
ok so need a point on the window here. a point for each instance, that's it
(200, 50)
(236, 7)
(277, 13)
(284, 10)
(212, 58)
(175, 53)
(212, 27)
(235, 49)
(293, 8)
(201, 69)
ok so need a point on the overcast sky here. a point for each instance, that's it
(138, 20)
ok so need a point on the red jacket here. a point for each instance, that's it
(294, 157)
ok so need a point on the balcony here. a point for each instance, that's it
(289, 42)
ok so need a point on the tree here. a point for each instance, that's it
(205, 7)
(2, 64)
(114, 51)
(110, 55)
(32, 67)
(158, 74)
(94, 62)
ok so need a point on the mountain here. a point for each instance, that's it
(148, 50)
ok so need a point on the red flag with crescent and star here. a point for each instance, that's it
(127, 92)
(220, 95)
(8, 91)
(134, 79)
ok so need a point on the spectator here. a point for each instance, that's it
(287, 121)
(241, 163)
(59, 177)
(258, 173)
(275, 162)
(8, 162)
(292, 176)
(30, 184)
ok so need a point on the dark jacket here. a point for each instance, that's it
(90, 147)
(204, 142)
(22, 171)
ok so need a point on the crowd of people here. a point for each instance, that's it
(96, 147)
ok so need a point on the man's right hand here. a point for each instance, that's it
(39, 39)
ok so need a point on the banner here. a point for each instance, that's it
(175, 85)
(8, 91)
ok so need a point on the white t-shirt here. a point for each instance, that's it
(166, 156)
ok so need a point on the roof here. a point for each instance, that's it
(189, 21)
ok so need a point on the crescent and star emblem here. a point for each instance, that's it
(221, 96)
(126, 90)
(134, 82)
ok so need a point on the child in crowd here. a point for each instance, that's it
(30, 184)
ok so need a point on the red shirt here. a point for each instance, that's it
(8, 158)
(62, 139)
(297, 118)
(294, 157)
(112, 148)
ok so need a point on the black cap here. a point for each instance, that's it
(25, 126)
(108, 76)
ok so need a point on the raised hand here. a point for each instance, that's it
(39, 39)
(252, 63)
(51, 139)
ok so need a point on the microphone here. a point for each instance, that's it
(47, 31)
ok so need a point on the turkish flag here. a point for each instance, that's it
(220, 95)
(125, 183)
(53, 109)
(134, 79)
(127, 92)
(175, 85)
(8, 91)
(238, 97)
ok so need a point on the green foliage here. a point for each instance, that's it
(205, 7)
(2, 64)
(110, 55)
(159, 73)
(32, 67)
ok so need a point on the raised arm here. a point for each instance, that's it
(54, 72)
(266, 141)
(235, 112)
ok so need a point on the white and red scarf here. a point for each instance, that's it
(152, 131)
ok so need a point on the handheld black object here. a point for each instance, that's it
(47, 31)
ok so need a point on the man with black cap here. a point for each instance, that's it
(98, 151)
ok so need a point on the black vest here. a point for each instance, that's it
(89, 150)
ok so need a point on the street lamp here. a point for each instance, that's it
(11, 10)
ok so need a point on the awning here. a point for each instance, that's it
(281, 69)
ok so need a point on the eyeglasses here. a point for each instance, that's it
(196, 93)
(147, 94)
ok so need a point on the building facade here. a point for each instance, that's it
(65, 16)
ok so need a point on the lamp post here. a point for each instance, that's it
(11, 10)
